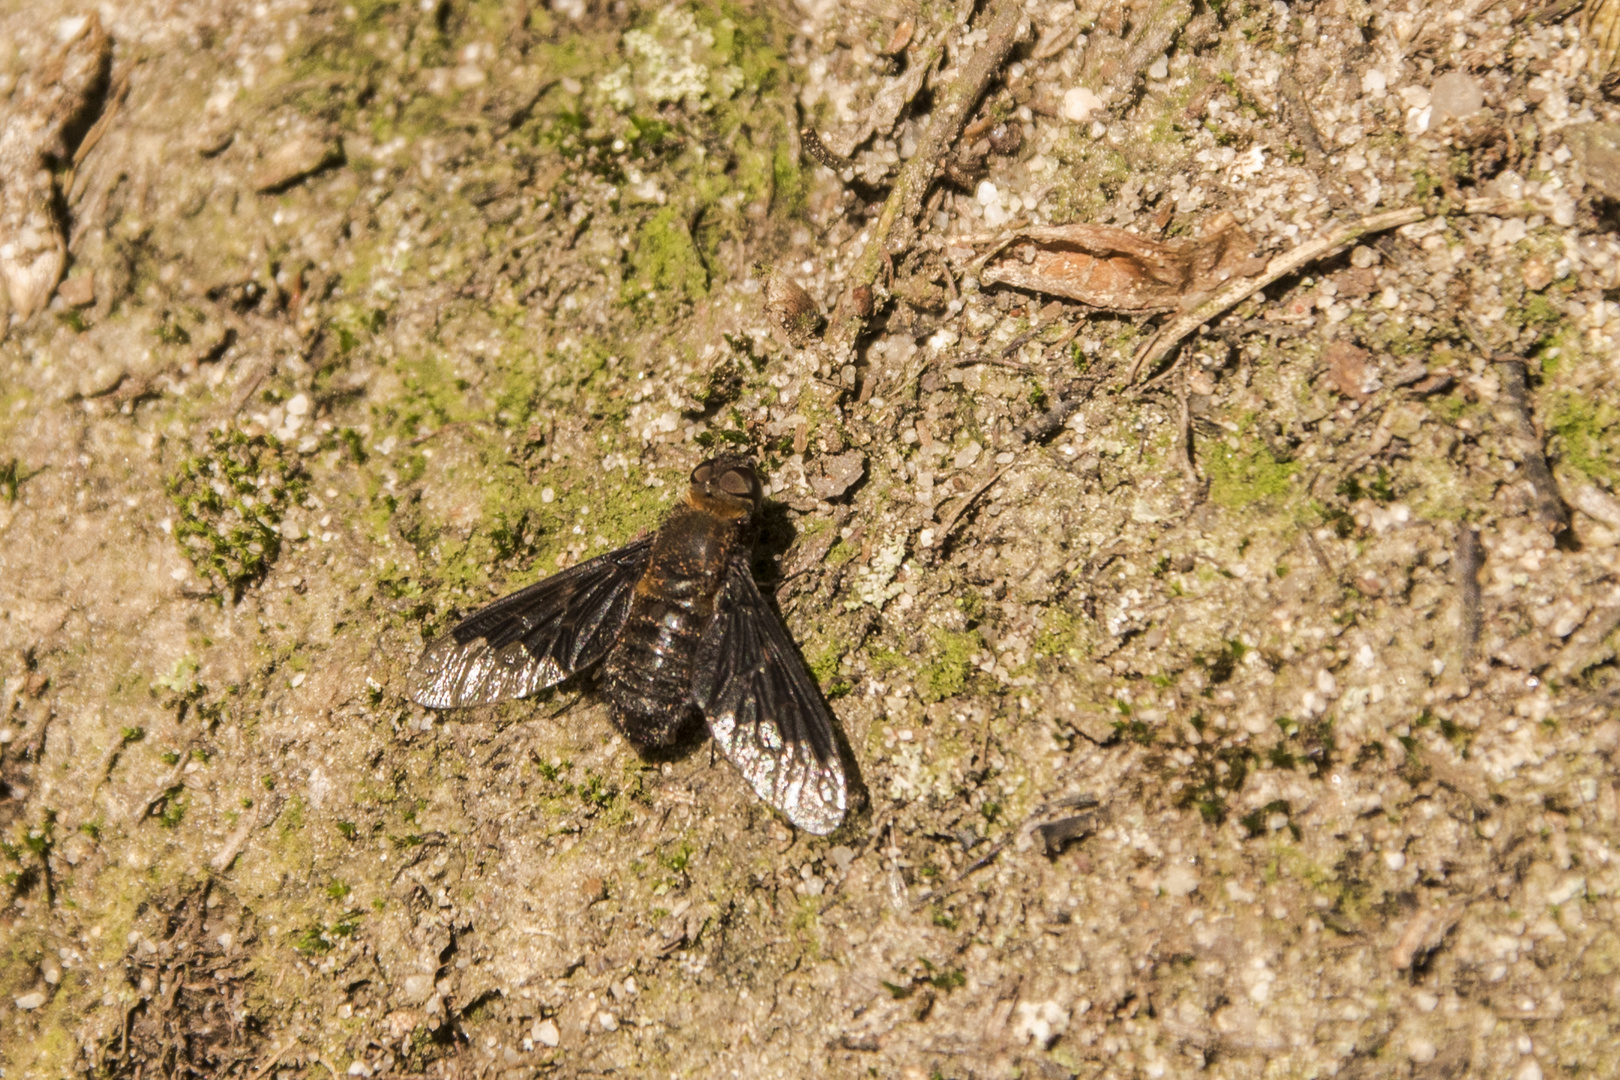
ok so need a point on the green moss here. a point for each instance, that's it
(947, 674)
(666, 261)
(824, 666)
(1585, 434)
(1061, 635)
(230, 499)
(1246, 475)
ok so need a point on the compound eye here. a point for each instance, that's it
(740, 482)
(701, 474)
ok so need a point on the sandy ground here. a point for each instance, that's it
(1256, 719)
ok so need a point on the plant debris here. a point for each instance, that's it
(1111, 269)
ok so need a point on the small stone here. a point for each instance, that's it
(1179, 880)
(298, 157)
(102, 379)
(418, 988)
(831, 476)
(1079, 103)
(401, 1022)
(31, 1001)
(1395, 860)
(1455, 94)
(1348, 369)
(1537, 274)
(1362, 257)
(79, 291)
(1040, 1022)
(1597, 504)
(546, 1033)
(1597, 147)
(298, 405)
(1529, 1069)
(1421, 1051)
(607, 1021)
(1606, 737)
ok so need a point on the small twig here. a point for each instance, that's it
(1234, 292)
(251, 380)
(1184, 441)
(274, 1059)
(905, 200)
(962, 508)
(170, 782)
(236, 841)
(996, 361)
(1550, 508)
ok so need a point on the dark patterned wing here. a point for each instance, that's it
(534, 638)
(764, 709)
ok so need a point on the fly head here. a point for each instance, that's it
(732, 481)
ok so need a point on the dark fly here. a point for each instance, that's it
(674, 626)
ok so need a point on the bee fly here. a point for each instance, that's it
(674, 625)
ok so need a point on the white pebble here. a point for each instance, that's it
(31, 1001)
(1079, 103)
(1395, 860)
(546, 1033)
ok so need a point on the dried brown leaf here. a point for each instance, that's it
(1115, 270)
(1348, 369)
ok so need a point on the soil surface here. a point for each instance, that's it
(1253, 718)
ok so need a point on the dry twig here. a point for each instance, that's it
(1162, 343)
(891, 232)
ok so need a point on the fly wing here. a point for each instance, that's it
(534, 638)
(764, 709)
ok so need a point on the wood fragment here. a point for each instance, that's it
(1184, 456)
(1113, 269)
(1550, 510)
(234, 843)
(1425, 933)
(962, 507)
(891, 233)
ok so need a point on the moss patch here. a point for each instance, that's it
(1247, 474)
(231, 499)
(1586, 434)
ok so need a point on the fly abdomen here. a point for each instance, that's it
(648, 675)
